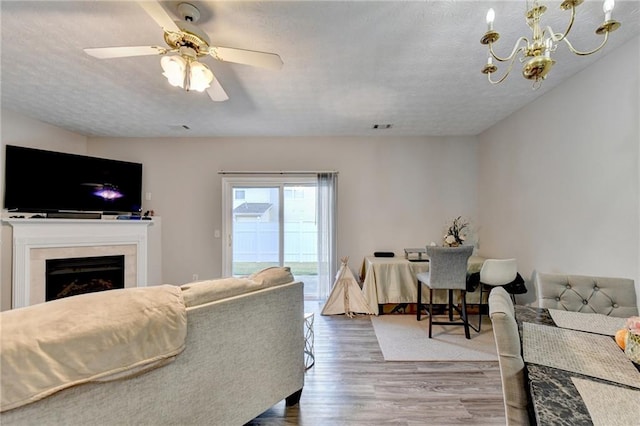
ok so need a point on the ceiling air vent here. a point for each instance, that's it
(382, 126)
(179, 127)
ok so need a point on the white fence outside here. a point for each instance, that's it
(258, 242)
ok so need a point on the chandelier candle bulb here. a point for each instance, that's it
(491, 15)
(547, 48)
(607, 7)
(489, 67)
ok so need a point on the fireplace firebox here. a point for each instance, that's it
(79, 275)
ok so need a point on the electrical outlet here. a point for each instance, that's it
(216, 233)
(195, 277)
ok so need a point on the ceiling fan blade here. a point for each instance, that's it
(123, 52)
(248, 57)
(162, 18)
(216, 92)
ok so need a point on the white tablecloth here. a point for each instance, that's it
(393, 280)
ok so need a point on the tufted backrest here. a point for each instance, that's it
(615, 297)
(505, 331)
(448, 266)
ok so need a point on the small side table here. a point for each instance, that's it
(309, 356)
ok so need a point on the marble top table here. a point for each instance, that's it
(555, 399)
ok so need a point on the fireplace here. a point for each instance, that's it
(80, 275)
(36, 242)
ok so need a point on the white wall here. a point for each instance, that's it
(392, 192)
(560, 194)
(23, 131)
(559, 179)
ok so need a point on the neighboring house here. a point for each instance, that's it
(252, 212)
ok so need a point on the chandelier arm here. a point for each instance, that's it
(497, 81)
(516, 49)
(506, 74)
(562, 36)
(581, 53)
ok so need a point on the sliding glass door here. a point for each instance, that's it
(272, 221)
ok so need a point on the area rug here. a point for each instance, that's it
(402, 338)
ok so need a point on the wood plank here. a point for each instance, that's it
(351, 384)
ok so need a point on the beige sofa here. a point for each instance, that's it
(239, 352)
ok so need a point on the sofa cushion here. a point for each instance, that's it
(201, 292)
(90, 337)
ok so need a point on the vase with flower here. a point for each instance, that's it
(632, 344)
(456, 233)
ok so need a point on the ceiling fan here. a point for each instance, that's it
(190, 43)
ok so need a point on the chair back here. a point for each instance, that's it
(448, 266)
(512, 375)
(615, 297)
(498, 271)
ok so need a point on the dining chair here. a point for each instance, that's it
(611, 296)
(512, 369)
(447, 271)
(494, 273)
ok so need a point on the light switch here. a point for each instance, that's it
(147, 196)
(216, 233)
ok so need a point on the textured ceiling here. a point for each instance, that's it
(347, 66)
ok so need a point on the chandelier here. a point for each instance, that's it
(536, 53)
(185, 71)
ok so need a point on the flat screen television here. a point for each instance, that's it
(45, 181)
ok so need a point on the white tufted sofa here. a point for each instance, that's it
(603, 295)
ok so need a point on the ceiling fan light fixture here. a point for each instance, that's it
(200, 76)
(186, 43)
(186, 73)
(174, 68)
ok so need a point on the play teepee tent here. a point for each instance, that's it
(346, 296)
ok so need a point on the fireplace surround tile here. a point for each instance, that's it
(35, 240)
(39, 257)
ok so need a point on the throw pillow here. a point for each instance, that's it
(274, 275)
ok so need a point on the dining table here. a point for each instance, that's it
(576, 372)
(392, 280)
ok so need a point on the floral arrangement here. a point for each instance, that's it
(633, 324)
(456, 234)
(632, 344)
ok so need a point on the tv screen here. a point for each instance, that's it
(45, 181)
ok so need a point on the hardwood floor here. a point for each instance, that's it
(351, 384)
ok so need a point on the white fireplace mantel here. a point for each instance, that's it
(32, 234)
